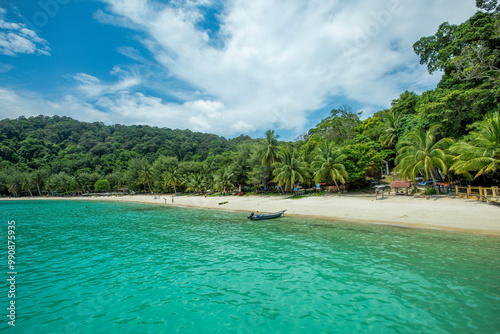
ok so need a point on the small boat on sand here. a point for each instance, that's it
(266, 215)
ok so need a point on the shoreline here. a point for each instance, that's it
(450, 214)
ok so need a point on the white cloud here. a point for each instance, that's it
(122, 107)
(15, 39)
(279, 60)
(197, 115)
(16, 103)
(92, 87)
(270, 63)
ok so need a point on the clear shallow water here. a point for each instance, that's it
(133, 268)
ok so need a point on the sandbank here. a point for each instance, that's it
(444, 213)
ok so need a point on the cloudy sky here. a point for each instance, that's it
(224, 67)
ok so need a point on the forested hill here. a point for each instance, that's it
(68, 145)
(451, 133)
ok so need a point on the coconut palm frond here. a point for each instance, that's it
(291, 169)
(482, 153)
(421, 152)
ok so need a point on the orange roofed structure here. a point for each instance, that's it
(405, 185)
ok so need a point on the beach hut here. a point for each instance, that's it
(400, 187)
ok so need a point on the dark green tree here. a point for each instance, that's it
(470, 49)
(102, 185)
(133, 175)
(339, 127)
(362, 157)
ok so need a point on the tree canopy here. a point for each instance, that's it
(59, 155)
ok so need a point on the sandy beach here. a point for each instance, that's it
(456, 214)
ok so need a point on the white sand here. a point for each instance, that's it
(436, 213)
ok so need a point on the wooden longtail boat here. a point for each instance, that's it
(266, 215)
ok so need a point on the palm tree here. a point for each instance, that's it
(290, 169)
(145, 177)
(132, 175)
(210, 182)
(50, 186)
(389, 136)
(327, 164)
(65, 181)
(79, 185)
(223, 179)
(269, 152)
(38, 177)
(26, 183)
(13, 186)
(420, 152)
(172, 177)
(482, 153)
(195, 182)
(307, 154)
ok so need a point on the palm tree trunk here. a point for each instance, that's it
(38, 188)
(434, 180)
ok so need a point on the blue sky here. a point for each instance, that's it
(224, 67)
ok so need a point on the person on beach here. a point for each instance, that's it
(172, 199)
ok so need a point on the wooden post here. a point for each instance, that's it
(456, 191)
(494, 191)
(469, 190)
(481, 194)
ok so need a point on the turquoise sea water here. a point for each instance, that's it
(87, 267)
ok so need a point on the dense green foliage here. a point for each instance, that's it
(102, 185)
(59, 155)
(480, 152)
(420, 152)
(328, 165)
(56, 153)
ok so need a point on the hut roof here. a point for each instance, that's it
(400, 184)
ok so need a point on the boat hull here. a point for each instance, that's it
(266, 216)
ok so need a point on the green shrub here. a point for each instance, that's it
(430, 191)
(102, 185)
